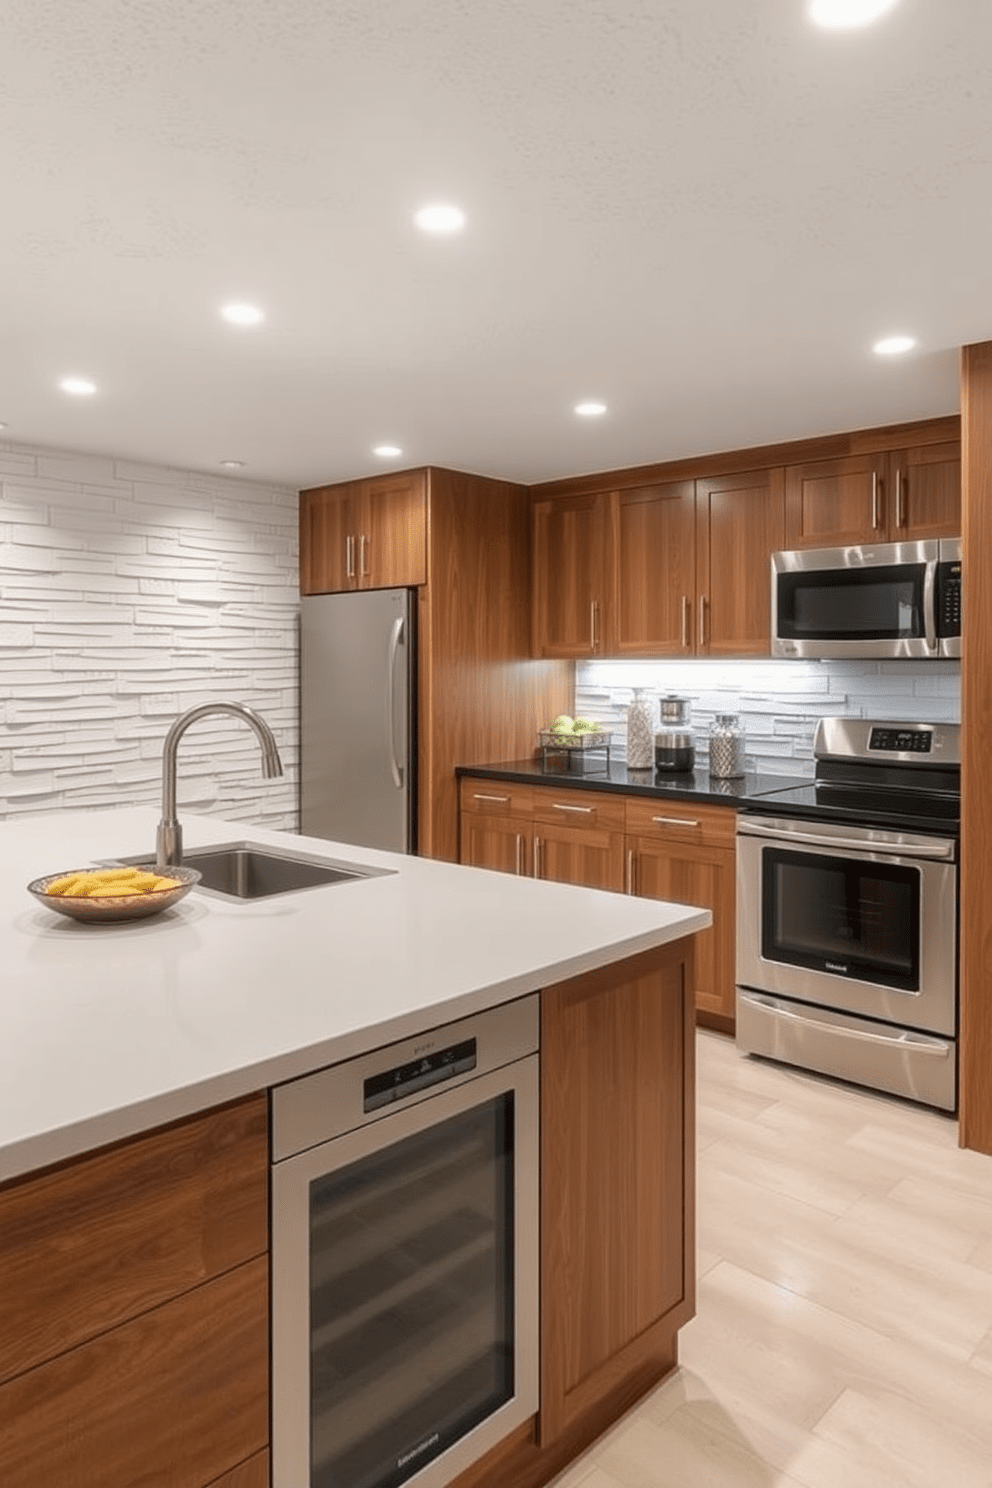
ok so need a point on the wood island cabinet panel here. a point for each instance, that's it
(654, 582)
(740, 523)
(616, 1199)
(571, 576)
(254, 1473)
(99, 1239)
(174, 1398)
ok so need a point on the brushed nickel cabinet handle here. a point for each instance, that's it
(478, 796)
(586, 810)
(900, 503)
(630, 870)
(593, 608)
(703, 602)
(349, 556)
(537, 856)
(686, 611)
(363, 570)
(520, 854)
(674, 821)
(874, 501)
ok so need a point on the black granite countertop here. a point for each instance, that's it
(590, 772)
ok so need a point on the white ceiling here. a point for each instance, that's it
(701, 211)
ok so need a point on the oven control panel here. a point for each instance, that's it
(901, 741)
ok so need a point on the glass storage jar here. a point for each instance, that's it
(726, 747)
(640, 731)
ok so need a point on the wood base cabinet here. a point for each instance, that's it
(134, 1330)
(657, 849)
(617, 1204)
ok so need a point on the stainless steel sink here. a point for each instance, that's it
(247, 870)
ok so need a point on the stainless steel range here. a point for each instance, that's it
(847, 911)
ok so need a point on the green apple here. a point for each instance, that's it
(562, 725)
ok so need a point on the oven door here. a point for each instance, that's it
(850, 602)
(849, 918)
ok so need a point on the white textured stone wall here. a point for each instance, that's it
(129, 593)
(779, 701)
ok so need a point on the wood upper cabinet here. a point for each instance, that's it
(572, 587)
(364, 534)
(654, 571)
(740, 522)
(899, 496)
(676, 569)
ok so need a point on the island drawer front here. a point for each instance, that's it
(126, 1228)
(496, 797)
(578, 808)
(176, 1397)
(682, 821)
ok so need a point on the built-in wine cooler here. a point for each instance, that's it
(404, 1256)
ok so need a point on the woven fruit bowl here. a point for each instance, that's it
(115, 901)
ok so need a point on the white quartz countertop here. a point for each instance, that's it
(108, 1030)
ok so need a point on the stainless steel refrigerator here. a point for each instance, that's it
(358, 718)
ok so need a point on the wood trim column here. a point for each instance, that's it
(975, 1102)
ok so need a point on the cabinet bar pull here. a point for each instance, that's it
(674, 821)
(686, 611)
(703, 602)
(537, 856)
(520, 854)
(349, 556)
(874, 500)
(593, 607)
(586, 810)
(478, 796)
(630, 870)
(363, 572)
(900, 505)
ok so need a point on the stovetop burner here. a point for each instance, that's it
(897, 775)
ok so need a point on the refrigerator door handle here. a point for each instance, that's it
(394, 645)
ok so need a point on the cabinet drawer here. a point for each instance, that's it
(681, 821)
(496, 798)
(125, 1229)
(578, 808)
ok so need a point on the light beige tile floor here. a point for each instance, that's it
(843, 1336)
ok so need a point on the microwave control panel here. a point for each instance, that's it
(949, 601)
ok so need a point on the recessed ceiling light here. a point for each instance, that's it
(233, 464)
(893, 345)
(590, 409)
(387, 451)
(80, 387)
(839, 14)
(243, 315)
(440, 219)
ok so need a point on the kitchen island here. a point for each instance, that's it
(134, 1061)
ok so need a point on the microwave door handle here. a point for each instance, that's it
(930, 606)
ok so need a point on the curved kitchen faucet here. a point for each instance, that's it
(169, 838)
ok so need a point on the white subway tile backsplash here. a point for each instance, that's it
(127, 594)
(779, 701)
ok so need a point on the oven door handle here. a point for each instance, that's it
(918, 1042)
(941, 849)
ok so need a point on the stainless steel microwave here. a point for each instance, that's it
(888, 599)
